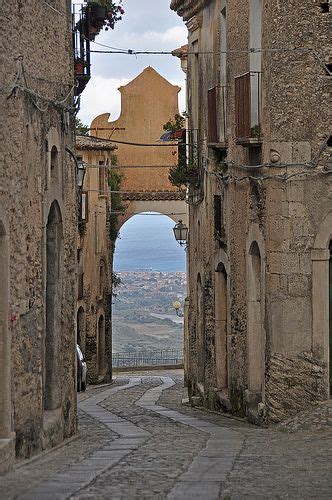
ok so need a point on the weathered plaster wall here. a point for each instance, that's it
(147, 103)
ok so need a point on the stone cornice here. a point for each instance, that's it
(188, 8)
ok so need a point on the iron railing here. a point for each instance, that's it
(248, 105)
(81, 43)
(148, 358)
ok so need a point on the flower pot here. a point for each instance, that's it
(79, 68)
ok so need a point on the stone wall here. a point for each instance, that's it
(95, 249)
(38, 62)
(276, 224)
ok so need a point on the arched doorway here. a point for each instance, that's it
(330, 317)
(322, 298)
(221, 319)
(81, 328)
(256, 341)
(5, 354)
(200, 333)
(101, 346)
(54, 242)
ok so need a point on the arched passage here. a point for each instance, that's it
(322, 297)
(256, 341)
(5, 354)
(54, 244)
(101, 345)
(151, 266)
(221, 329)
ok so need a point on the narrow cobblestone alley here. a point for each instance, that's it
(137, 441)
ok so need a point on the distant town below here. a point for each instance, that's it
(143, 316)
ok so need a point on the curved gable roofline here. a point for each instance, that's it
(147, 73)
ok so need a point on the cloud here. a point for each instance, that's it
(101, 96)
(177, 35)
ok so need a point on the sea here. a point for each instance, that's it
(146, 243)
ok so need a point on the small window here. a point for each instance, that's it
(54, 161)
(212, 115)
(325, 7)
(84, 207)
(102, 183)
(219, 232)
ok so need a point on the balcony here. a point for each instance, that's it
(81, 43)
(217, 117)
(248, 109)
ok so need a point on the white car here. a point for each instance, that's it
(81, 370)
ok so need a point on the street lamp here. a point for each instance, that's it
(81, 169)
(180, 233)
(176, 306)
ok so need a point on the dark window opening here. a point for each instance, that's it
(328, 67)
(325, 7)
(255, 156)
(54, 160)
(212, 116)
(219, 230)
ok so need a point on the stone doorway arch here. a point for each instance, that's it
(5, 351)
(200, 333)
(101, 346)
(256, 337)
(321, 297)
(221, 325)
(54, 250)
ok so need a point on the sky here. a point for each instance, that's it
(146, 243)
(146, 25)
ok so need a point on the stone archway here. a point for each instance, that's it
(5, 352)
(321, 297)
(54, 249)
(221, 326)
(101, 346)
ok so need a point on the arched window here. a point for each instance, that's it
(54, 162)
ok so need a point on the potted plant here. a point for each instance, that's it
(79, 66)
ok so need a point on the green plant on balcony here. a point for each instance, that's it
(256, 131)
(116, 282)
(183, 175)
(175, 124)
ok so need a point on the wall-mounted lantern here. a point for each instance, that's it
(181, 233)
(81, 169)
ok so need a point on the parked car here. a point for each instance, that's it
(81, 370)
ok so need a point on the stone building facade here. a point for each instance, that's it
(37, 229)
(94, 255)
(261, 214)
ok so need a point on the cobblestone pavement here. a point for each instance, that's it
(137, 441)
